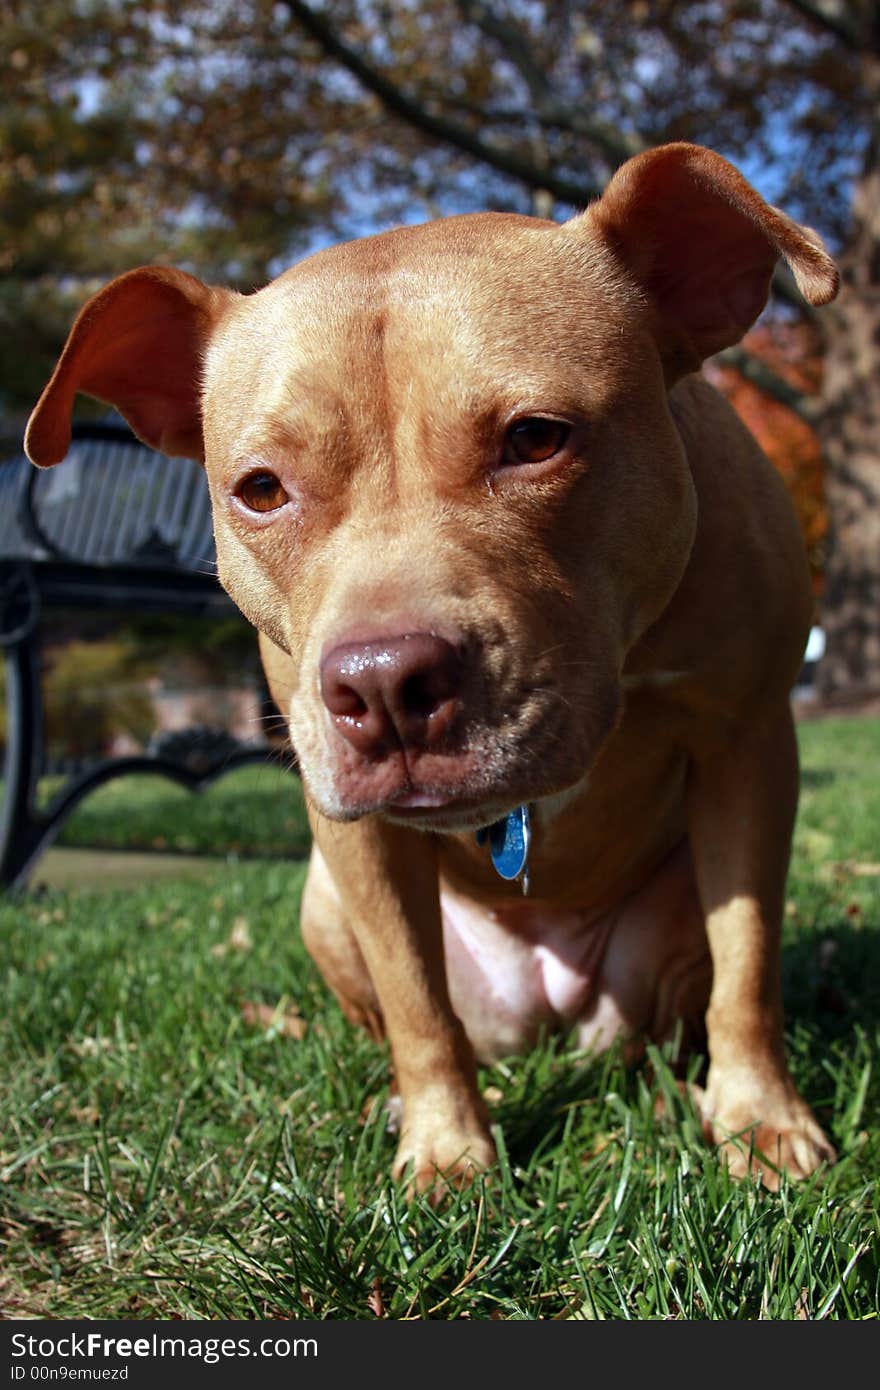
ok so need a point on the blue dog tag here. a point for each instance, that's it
(509, 842)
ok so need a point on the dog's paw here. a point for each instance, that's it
(436, 1164)
(765, 1134)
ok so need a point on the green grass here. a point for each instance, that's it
(256, 811)
(169, 1152)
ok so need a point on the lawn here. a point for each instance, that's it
(191, 1129)
(254, 812)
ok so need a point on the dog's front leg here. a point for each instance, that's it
(386, 878)
(742, 803)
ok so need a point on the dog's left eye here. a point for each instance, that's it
(534, 440)
(262, 492)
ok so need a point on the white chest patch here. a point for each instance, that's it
(512, 972)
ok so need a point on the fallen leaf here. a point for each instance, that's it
(85, 1114)
(815, 844)
(853, 868)
(240, 936)
(90, 1046)
(374, 1302)
(239, 939)
(587, 1312)
(273, 1018)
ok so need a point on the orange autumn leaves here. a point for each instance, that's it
(792, 351)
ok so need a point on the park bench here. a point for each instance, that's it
(118, 526)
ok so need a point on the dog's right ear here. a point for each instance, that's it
(702, 245)
(138, 345)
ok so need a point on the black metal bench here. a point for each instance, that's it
(116, 526)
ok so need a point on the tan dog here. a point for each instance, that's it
(512, 564)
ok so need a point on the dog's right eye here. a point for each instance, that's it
(534, 440)
(262, 492)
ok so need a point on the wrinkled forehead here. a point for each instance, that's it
(490, 300)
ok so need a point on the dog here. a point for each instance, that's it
(532, 601)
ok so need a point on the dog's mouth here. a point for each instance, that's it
(419, 801)
(443, 811)
(469, 803)
(454, 798)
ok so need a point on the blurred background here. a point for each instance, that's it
(231, 139)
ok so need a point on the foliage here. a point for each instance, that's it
(221, 136)
(90, 694)
(127, 138)
(192, 1129)
(250, 812)
(793, 353)
(96, 685)
(185, 648)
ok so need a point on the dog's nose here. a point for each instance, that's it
(397, 691)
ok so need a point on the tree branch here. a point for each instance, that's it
(510, 38)
(834, 17)
(615, 144)
(808, 408)
(437, 128)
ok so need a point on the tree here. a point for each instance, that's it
(787, 87)
(792, 351)
(850, 421)
(227, 136)
(129, 136)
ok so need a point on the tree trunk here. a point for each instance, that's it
(850, 432)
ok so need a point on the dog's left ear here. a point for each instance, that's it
(703, 244)
(138, 345)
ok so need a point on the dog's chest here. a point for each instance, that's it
(513, 971)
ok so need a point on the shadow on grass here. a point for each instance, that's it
(814, 777)
(831, 979)
(831, 983)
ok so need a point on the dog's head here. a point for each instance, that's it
(443, 471)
